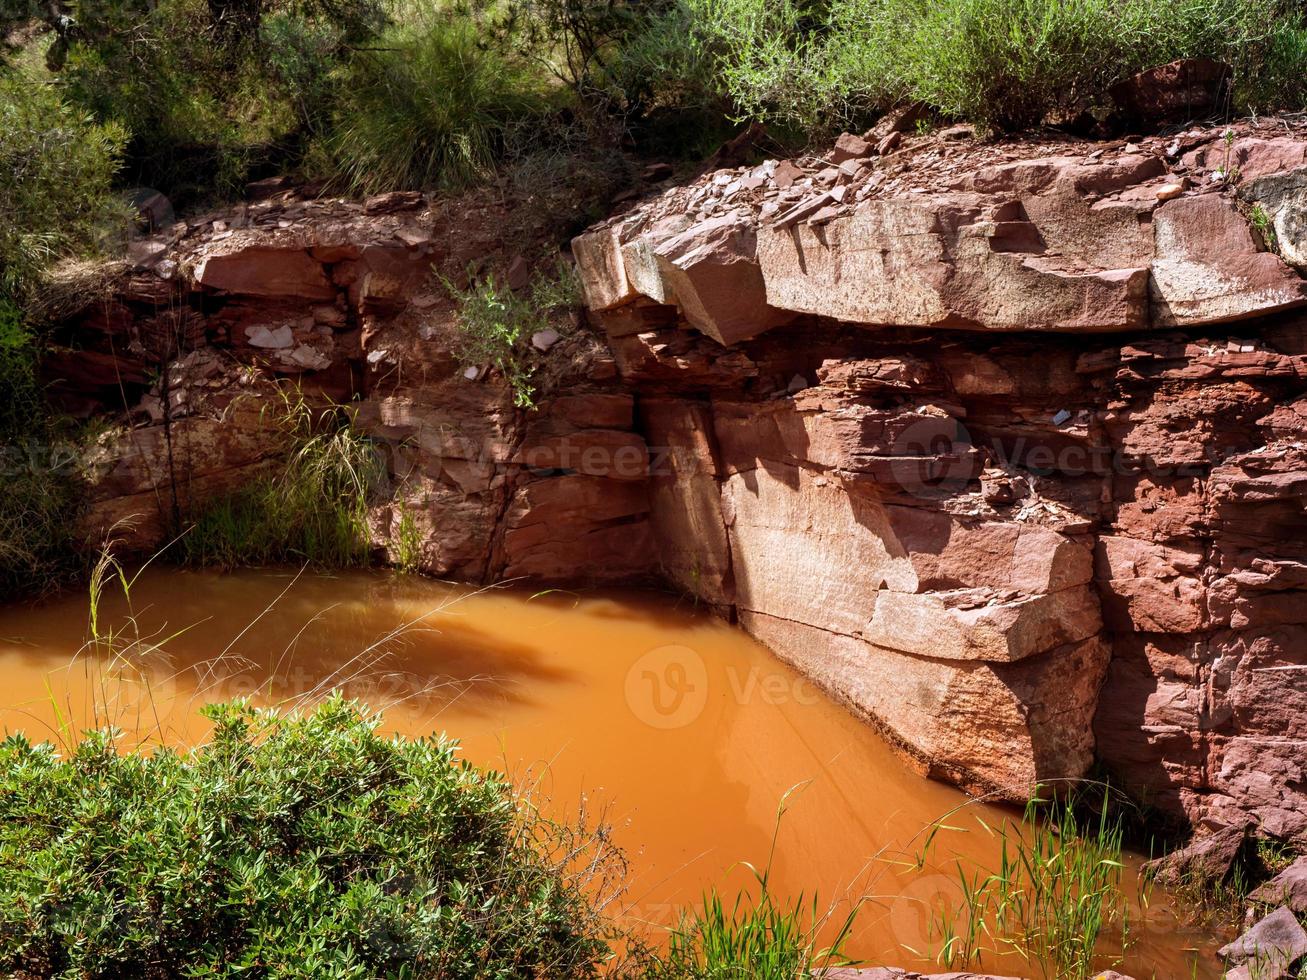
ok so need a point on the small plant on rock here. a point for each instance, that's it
(496, 324)
(1262, 224)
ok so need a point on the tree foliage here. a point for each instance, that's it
(57, 166)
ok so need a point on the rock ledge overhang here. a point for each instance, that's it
(1199, 228)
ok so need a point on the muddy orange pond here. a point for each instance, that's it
(683, 733)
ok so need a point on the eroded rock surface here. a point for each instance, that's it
(1003, 444)
(1028, 236)
(1013, 553)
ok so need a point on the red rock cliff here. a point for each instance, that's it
(1004, 445)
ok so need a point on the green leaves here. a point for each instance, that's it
(56, 167)
(496, 324)
(1006, 64)
(289, 846)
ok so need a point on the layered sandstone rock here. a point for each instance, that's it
(965, 539)
(1073, 238)
(345, 300)
(1002, 444)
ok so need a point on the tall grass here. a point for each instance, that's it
(758, 935)
(1011, 63)
(1007, 64)
(431, 104)
(1055, 893)
(313, 509)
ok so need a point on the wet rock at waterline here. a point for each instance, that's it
(1268, 950)
(1003, 444)
(1209, 858)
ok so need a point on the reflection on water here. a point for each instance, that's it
(683, 731)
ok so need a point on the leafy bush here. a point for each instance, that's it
(1009, 63)
(289, 846)
(56, 170)
(819, 65)
(431, 105)
(210, 92)
(496, 324)
(314, 508)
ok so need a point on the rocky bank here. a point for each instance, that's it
(1005, 444)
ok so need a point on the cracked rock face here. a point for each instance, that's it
(1014, 554)
(1005, 445)
(1083, 238)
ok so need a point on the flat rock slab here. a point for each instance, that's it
(1288, 888)
(1270, 947)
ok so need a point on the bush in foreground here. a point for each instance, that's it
(286, 847)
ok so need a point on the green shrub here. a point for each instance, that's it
(1008, 64)
(314, 508)
(210, 92)
(771, 58)
(56, 169)
(21, 404)
(496, 323)
(432, 104)
(288, 846)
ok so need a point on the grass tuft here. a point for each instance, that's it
(313, 509)
(1055, 893)
(759, 935)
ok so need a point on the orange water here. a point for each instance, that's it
(683, 732)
